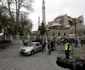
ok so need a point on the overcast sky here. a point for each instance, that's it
(54, 8)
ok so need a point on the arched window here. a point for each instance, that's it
(47, 34)
(64, 34)
(58, 34)
(53, 34)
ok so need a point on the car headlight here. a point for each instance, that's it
(22, 50)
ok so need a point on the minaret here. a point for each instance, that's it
(38, 21)
(43, 13)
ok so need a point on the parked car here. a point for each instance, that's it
(30, 48)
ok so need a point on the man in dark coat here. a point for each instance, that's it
(52, 46)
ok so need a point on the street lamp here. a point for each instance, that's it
(76, 21)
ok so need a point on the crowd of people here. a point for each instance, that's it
(50, 45)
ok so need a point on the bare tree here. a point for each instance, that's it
(25, 25)
(12, 9)
(18, 5)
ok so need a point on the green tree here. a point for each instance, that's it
(42, 29)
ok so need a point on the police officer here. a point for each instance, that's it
(67, 49)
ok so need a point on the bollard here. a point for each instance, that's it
(79, 64)
(59, 61)
(84, 64)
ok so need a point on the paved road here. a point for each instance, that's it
(10, 59)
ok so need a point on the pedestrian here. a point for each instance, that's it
(49, 47)
(52, 46)
(43, 45)
(23, 42)
(67, 49)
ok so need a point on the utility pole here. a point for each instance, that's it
(75, 33)
(75, 22)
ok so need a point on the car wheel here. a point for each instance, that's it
(32, 52)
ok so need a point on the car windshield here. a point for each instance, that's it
(29, 44)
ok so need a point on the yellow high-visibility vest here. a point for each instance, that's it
(66, 46)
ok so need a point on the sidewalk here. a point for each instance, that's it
(78, 52)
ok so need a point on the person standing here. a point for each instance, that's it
(23, 42)
(52, 46)
(49, 47)
(43, 45)
(67, 49)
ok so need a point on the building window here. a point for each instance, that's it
(53, 34)
(64, 34)
(58, 34)
(47, 34)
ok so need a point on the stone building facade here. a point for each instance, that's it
(64, 26)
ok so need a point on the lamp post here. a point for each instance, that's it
(75, 21)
